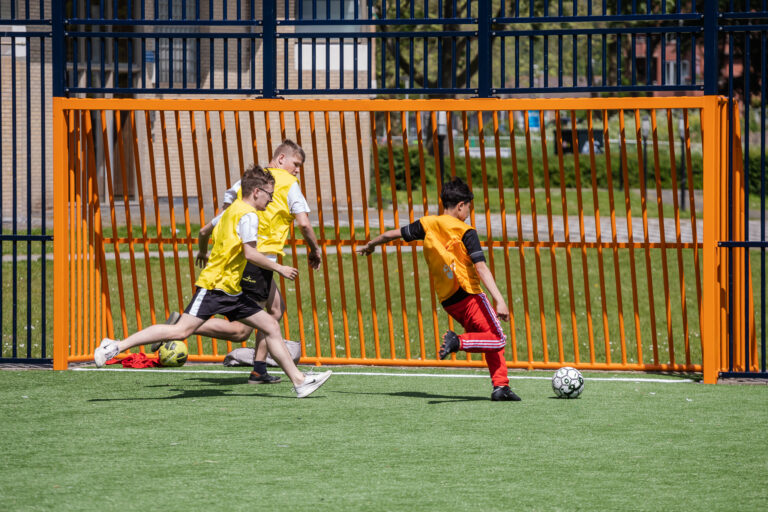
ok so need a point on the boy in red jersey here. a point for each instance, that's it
(457, 265)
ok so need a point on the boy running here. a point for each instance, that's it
(287, 205)
(457, 264)
(218, 286)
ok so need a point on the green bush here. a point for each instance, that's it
(536, 170)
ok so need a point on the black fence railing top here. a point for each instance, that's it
(379, 47)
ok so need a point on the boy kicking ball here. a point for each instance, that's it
(218, 286)
(457, 265)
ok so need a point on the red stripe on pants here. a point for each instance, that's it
(483, 334)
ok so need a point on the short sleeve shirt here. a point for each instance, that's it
(248, 227)
(231, 194)
(297, 203)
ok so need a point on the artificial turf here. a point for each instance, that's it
(141, 440)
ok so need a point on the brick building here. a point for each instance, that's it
(149, 62)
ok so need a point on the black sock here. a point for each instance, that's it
(260, 367)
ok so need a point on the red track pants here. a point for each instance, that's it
(483, 334)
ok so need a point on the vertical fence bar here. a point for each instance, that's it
(158, 218)
(380, 209)
(60, 260)
(143, 217)
(172, 212)
(129, 225)
(711, 70)
(662, 236)
(598, 234)
(396, 223)
(185, 201)
(77, 216)
(503, 215)
(322, 241)
(614, 237)
(567, 231)
(414, 256)
(113, 220)
(310, 270)
(551, 233)
(646, 235)
(383, 228)
(269, 49)
(364, 190)
(225, 148)
(93, 199)
(520, 244)
(582, 237)
(336, 239)
(630, 236)
(535, 228)
(710, 317)
(485, 70)
(352, 238)
(678, 236)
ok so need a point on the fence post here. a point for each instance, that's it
(484, 69)
(58, 57)
(60, 256)
(269, 33)
(711, 34)
(60, 259)
(712, 287)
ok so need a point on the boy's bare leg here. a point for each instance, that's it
(181, 330)
(270, 329)
(275, 306)
(224, 329)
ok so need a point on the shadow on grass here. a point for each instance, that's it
(436, 399)
(192, 393)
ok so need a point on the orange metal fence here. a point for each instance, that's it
(602, 264)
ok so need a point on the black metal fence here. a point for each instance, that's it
(396, 48)
(309, 47)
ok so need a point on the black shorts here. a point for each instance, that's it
(206, 303)
(256, 282)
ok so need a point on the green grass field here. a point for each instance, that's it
(141, 440)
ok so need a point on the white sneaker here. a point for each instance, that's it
(105, 351)
(311, 383)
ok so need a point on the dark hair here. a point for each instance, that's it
(289, 148)
(253, 178)
(455, 192)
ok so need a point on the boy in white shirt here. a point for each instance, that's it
(287, 205)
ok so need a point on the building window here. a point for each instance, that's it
(173, 56)
(321, 11)
(671, 73)
(16, 46)
(313, 55)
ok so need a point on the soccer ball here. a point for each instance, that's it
(567, 382)
(173, 353)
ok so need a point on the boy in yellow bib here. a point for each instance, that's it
(457, 265)
(287, 206)
(218, 286)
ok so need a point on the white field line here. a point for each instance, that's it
(376, 374)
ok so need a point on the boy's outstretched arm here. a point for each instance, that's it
(302, 219)
(484, 273)
(202, 243)
(253, 255)
(387, 236)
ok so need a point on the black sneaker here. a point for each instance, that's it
(504, 394)
(258, 378)
(172, 319)
(450, 344)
